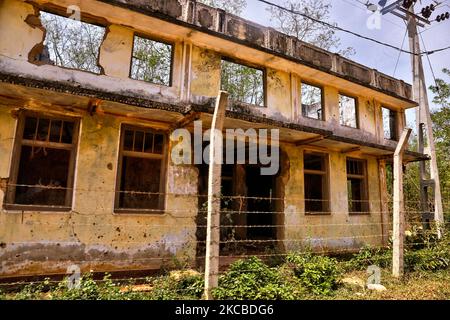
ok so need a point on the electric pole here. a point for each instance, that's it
(429, 177)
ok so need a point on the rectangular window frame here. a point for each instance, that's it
(356, 109)
(365, 179)
(163, 173)
(322, 100)
(248, 65)
(15, 162)
(326, 209)
(172, 57)
(394, 131)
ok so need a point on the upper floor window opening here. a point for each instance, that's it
(243, 83)
(312, 101)
(151, 61)
(348, 111)
(389, 123)
(70, 43)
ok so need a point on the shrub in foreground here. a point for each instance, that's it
(367, 256)
(178, 285)
(320, 274)
(252, 279)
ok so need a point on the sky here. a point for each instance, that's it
(353, 15)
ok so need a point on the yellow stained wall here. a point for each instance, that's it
(117, 46)
(17, 38)
(336, 230)
(91, 234)
(113, 241)
(205, 72)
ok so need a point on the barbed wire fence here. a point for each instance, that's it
(269, 228)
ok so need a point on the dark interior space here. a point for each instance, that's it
(260, 204)
(247, 209)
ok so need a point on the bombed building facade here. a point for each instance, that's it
(86, 175)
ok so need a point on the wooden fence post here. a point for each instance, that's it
(214, 183)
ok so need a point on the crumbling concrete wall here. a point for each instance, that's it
(117, 46)
(278, 95)
(17, 36)
(91, 234)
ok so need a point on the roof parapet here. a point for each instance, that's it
(234, 28)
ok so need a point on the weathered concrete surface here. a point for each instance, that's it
(95, 237)
(239, 29)
(117, 46)
(91, 235)
(205, 77)
(337, 230)
(13, 14)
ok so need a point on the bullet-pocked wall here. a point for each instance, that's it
(33, 242)
(91, 234)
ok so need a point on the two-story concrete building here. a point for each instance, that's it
(86, 175)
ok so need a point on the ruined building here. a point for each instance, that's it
(90, 92)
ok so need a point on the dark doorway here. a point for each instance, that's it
(260, 204)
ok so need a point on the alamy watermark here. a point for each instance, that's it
(373, 22)
(74, 278)
(374, 273)
(262, 147)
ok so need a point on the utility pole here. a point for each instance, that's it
(424, 128)
(429, 179)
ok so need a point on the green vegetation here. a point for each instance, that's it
(301, 275)
(320, 274)
(251, 279)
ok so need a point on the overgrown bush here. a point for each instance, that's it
(417, 238)
(177, 286)
(320, 274)
(430, 259)
(367, 256)
(251, 279)
(33, 290)
(88, 289)
(435, 256)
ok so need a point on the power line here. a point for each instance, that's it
(431, 67)
(399, 54)
(329, 25)
(365, 5)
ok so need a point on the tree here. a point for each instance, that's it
(232, 6)
(441, 130)
(72, 44)
(243, 83)
(442, 91)
(305, 29)
(151, 61)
